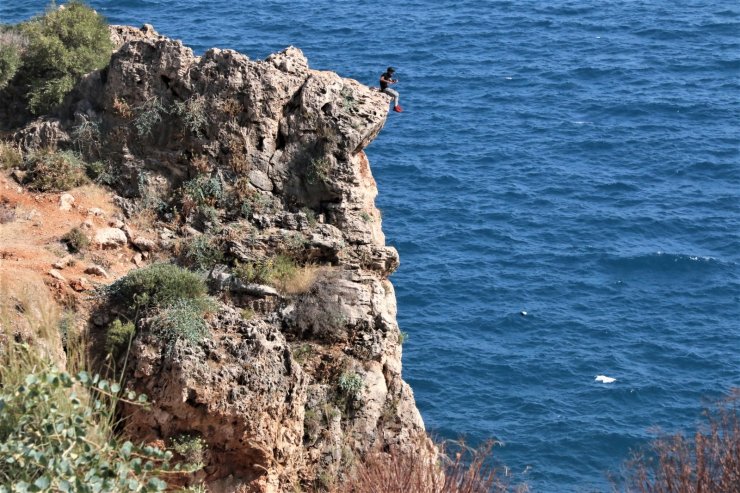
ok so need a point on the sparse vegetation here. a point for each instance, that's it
(63, 45)
(202, 253)
(76, 240)
(280, 271)
(193, 114)
(411, 472)
(190, 449)
(708, 463)
(310, 216)
(148, 115)
(182, 320)
(55, 171)
(10, 155)
(303, 352)
(403, 337)
(318, 170)
(366, 217)
(349, 103)
(122, 108)
(86, 138)
(118, 336)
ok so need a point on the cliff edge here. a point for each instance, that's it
(253, 174)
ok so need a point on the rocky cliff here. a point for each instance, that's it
(235, 165)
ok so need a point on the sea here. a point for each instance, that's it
(564, 191)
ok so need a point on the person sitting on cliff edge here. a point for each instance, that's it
(386, 80)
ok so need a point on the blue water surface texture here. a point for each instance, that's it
(579, 161)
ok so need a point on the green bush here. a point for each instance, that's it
(118, 336)
(277, 270)
(183, 320)
(350, 384)
(56, 434)
(63, 45)
(203, 253)
(55, 171)
(76, 240)
(156, 287)
(12, 46)
(203, 190)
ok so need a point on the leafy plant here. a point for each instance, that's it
(63, 45)
(350, 384)
(76, 240)
(204, 190)
(55, 171)
(118, 336)
(148, 114)
(157, 286)
(182, 320)
(56, 435)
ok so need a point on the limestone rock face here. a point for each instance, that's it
(262, 160)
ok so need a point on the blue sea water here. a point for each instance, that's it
(579, 161)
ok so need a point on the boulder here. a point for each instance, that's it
(110, 238)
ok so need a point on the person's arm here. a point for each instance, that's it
(387, 80)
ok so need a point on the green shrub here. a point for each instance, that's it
(12, 47)
(76, 240)
(278, 271)
(56, 434)
(55, 171)
(118, 336)
(350, 384)
(63, 45)
(182, 320)
(203, 190)
(157, 286)
(148, 114)
(203, 253)
(253, 272)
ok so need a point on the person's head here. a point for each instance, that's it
(391, 70)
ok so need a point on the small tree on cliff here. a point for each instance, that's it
(63, 45)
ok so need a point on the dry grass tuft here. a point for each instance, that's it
(397, 472)
(10, 155)
(710, 463)
(302, 279)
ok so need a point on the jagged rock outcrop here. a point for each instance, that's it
(260, 158)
